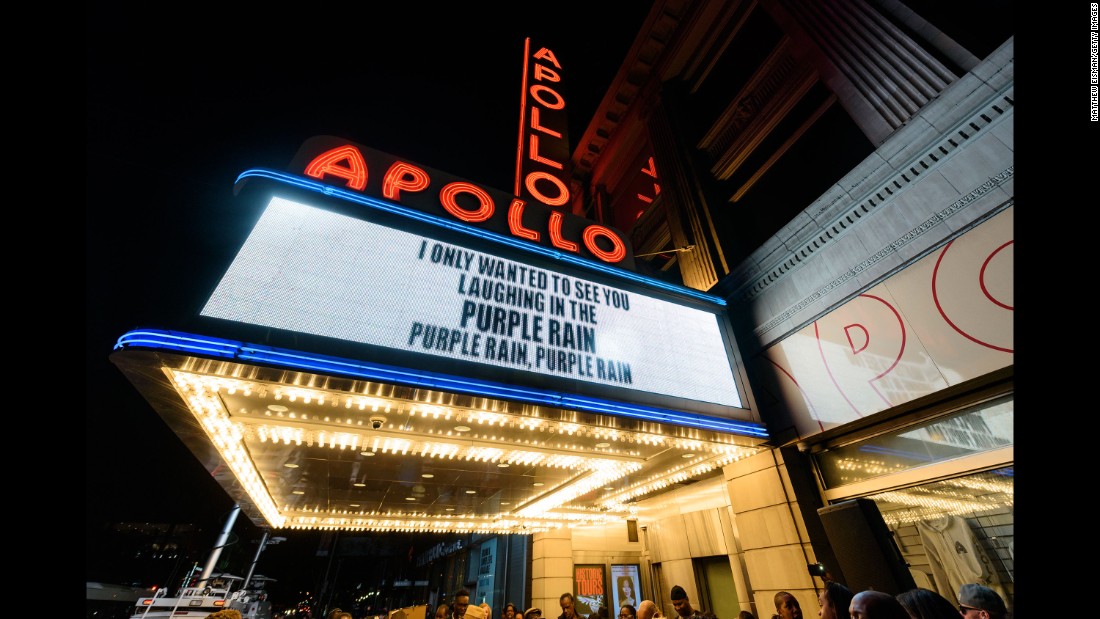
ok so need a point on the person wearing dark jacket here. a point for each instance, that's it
(568, 606)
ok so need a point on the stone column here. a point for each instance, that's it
(551, 569)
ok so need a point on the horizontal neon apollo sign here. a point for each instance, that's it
(334, 160)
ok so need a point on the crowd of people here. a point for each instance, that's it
(837, 601)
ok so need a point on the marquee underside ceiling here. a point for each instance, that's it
(300, 450)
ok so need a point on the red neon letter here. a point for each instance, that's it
(447, 199)
(563, 191)
(615, 255)
(555, 233)
(535, 123)
(326, 163)
(558, 104)
(403, 177)
(549, 74)
(515, 221)
(545, 54)
(533, 153)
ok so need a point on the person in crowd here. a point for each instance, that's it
(980, 602)
(648, 610)
(460, 604)
(786, 606)
(626, 591)
(532, 613)
(871, 604)
(681, 603)
(602, 611)
(745, 615)
(834, 600)
(627, 611)
(709, 615)
(488, 610)
(510, 611)
(594, 615)
(442, 611)
(923, 603)
(568, 606)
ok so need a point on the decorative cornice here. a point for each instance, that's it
(935, 220)
(936, 155)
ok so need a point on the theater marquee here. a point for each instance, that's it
(421, 291)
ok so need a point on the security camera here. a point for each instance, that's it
(377, 422)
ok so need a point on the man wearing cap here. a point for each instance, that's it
(533, 613)
(682, 605)
(476, 611)
(980, 602)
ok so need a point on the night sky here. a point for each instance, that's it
(182, 99)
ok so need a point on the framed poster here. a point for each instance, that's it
(626, 587)
(589, 592)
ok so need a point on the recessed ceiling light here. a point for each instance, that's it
(450, 509)
(608, 488)
(427, 476)
(503, 465)
(359, 485)
(471, 492)
(353, 504)
(366, 453)
(462, 428)
(278, 408)
(290, 465)
(538, 483)
(298, 492)
(505, 503)
(688, 456)
(410, 498)
(602, 445)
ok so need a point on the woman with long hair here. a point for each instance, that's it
(834, 601)
(626, 591)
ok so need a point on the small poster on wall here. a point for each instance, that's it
(626, 587)
(588, 589)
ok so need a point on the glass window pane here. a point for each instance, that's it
(984, 427)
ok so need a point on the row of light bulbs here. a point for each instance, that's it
(200, 391)
(480, 417)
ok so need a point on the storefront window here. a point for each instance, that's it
(951, 529)
(985, 427)
(955, 531)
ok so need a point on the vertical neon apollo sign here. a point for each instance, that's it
(543, 131)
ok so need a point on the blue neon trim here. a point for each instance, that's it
(553, 254)
(240, 351)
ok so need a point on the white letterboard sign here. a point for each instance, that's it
(310, 270)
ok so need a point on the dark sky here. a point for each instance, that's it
(183, 98)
